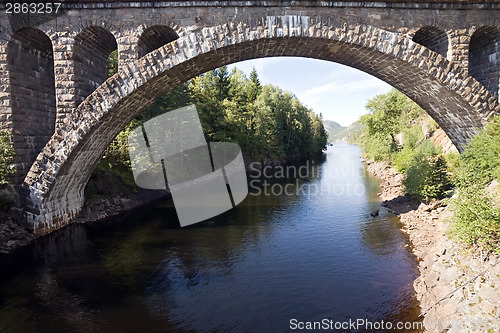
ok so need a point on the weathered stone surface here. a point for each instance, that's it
(65, 112)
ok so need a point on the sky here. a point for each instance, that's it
(338, 92)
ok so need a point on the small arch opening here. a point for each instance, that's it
(30, 62)
(93, 48)
(434, 39)
(155, 37)
(484, 58)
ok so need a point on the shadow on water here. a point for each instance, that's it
(310, 254)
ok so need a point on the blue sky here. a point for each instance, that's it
(337, 91)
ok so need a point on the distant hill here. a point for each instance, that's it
(333, 129)
(352, 133)
(337, 132)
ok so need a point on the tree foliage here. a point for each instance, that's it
(397, 130)
(390, 115)
(6, 157)
(112, 64)
(394, 132)
(476, 205)
(266, 122)
(483, 154)
(427, 178)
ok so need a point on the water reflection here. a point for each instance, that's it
(309, 255)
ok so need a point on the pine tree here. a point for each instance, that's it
(222, 83)
(255, 86)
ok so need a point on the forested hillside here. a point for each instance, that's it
(350, 133)
(398, 131)
(333, 129)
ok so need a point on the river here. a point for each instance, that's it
(287, 255)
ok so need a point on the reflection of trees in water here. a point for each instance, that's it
(195, 252)
(207, 252)
(372, 185)
(383, 237)
(127, 258)
(220, 241)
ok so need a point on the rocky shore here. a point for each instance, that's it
(458, 288)
(14, 232)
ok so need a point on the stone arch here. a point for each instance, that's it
(30, 63)
(91, 49)
(433, 38)
(484, 57)
(457, 102)
(155, 37)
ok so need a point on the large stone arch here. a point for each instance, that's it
(57, 179)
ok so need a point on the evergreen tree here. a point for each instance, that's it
(222, 83)
(255, 86)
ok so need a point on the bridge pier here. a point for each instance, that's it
(49, 215)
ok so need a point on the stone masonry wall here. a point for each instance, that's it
(30, 65)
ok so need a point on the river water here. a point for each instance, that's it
(301, 248)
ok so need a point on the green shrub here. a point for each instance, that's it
(378, 147)
(403, 159)
(413, 136)
(427, 177)
(476, 214)
(482, 155)
(6, 157)
(476, 217)
(454, 162)
(428, 148)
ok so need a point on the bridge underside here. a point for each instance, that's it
(53, 188)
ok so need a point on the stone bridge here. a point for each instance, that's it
(63, 112)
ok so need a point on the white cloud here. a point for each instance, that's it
(354, 87)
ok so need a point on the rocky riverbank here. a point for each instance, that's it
(458, 289)
(14, 232)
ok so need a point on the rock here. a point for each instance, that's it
(374, 213)
(18, 235)
(11, 243)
